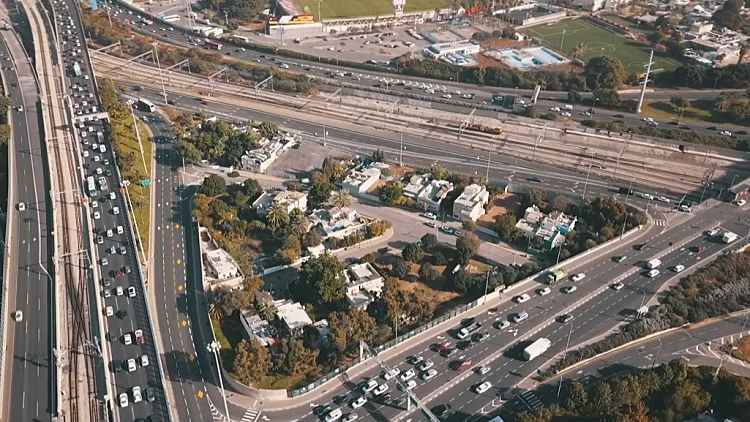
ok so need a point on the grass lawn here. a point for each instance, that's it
(348, 9)
(699, 110)
(598, 41)
(280, 382)
(628, 24)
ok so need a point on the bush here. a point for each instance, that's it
(427, 272)
(400, 268)
(439, 259)
(234, 174)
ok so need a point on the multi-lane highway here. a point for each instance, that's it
(28, 361)
(116, 263)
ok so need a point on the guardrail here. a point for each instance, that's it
(6, 255)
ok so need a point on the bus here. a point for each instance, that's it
(171, 18)
(146, 105)
(91, 184)
(213, 45)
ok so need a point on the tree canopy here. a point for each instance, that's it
(604, 72)
(323, 276)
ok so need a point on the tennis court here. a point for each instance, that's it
(597, 42)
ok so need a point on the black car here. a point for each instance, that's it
(127, 269)
(468, 322)
(639, 247)
(112, 336)
(480, 337)
(171, 102)
(117, 365)
(464, 345)
(565, 318)
(106, 281)
(442, 410)
(122, 314)
(383, 398)
(321, 410)
(448, 353)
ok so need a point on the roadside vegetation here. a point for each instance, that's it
(672, 392)
(5, 135)
(717, 289)
(128, 152)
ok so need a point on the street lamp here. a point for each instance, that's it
(215, 347)
(594, 106)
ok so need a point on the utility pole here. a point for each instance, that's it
(486, 287)
(161, 75)
(401, 150)
(627, 199)
(645, 81)
(489, 157)
(586, 184)
(657, 356)
(565, 353)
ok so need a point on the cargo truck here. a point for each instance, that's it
(729, 237)
(76, 69)
(556, 275)
(535, 349)
(654, 263)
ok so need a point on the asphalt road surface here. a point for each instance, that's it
(27, 380)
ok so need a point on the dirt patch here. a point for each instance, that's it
(501, 204)
(400, 171)
(375, 188)
(740, 349)
(502, 43)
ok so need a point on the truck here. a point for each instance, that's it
(652, 264)
(138, 337)
(535, 349)
(556, 275)
(76, 69)
(729, 237)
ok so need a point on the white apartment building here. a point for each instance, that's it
(470, 205)
(222, 265)
(425, 190)
(336, 222)
(357, 182)
(550, 229)
(363, 285)
(289, 200)
(292, 316)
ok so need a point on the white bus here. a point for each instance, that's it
(171, 18)
(91, 185)
(146, 105)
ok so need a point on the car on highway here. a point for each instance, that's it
(699, 249)
(741, 202)
(565, 318)
(653, 273)
(333, 415)
(430, 215)
(127, 339)
(480, 337)
(521, 316)
(144, 360)
(483, 370)
(389, 375)
(410, 385)
(544, 292)
(119, 291)
(150, 395)
(501, 324)
(725, 133)
(429, 374)
(620, 258)
(647, 196)
(406, 376)
(569, 289)
(109, 311)
(461, 365)
(124, 400)
(136, 392)
(618, 286)
(380, 390)
(449, 353)
(425, 365)
(131, 365)
(522, 298)
(483, 387)
(439, 347)
(131, 291)
(358, 402)
(578, 277)
(565, 114)
(712, 232)
(678, 268)
(18, 315)
(664, 199)
(555, 109)
(21, 206)
(414, 360)
(368, 386)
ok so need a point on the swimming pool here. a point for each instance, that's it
(527, 58)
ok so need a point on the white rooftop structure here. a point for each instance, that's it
(289, 200)
(470, 204)
(258, 328)
(260, 159)
(357, 182)
(337, 222)
(293, 316)
(363, 284)
(221, 264)
(550, 228)
(424, 189)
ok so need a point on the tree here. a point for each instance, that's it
(251, 361)
(213, 185)
(291, 251)
(576, 53)
(277, 216)
(298, 223)
(5, 103)
(324, 277)
(729, 16)
(439, 259)
(378, 228)
(609, 97)
(467, 246)
(400, 268)
(462, 281)
(656, 37)
(562, 203)
(427, 272)
(268, 130)
(227, 301)
(4, 135)
(391, 192)
(412, 253)
(341, 199)
(505, 226)
(189, 152)
(312, 238)
(236, 146)
(267, 310)
(574, 96)
(349, 328)
(604, 72)
(126, 161)
(379, 156)
(725, 99)
(578, 398)
(469, 225)
(293, 358)
(680, 103)
(536, 197)
(320, 192)
(428, 241)
(744, 49)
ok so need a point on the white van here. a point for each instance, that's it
(567, 107)
(333, 415)
(102, 148)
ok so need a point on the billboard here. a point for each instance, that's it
(292, 20)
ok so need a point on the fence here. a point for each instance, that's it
(6, 255)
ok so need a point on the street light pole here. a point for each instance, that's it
(565, 353)
(486, 287)
(627, 199)
(586, 184)
(657, 355)
(401, 150)
(489, 157)
(161, 75)
(214, 347)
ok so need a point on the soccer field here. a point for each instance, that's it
(598, 41)
(354, 8)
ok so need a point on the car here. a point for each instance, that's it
(439, 347)
(569, 289)
(741, 202)
(18, 315)
(120, 230)
(483, 387)
(565, 114)
(406, 376)
(430, 215)
(725, 133)
(123, 250)
(104, 261)
(94, 204)
(620, 258)
(543, 292)
(388, 375)
(699, 249)
(131, 291)
(368, 386)
(464, 345)
(712, 232)
(150, 396)
(115, 273)
(116, 210)
(122, 314)
(127, 270)
(448, 353)
(124, 400)
(107, 293)
(350, 418)
(110, 233)
(131, 365)
(380, 390)
(647, 196)
(106, 281)
(578, 277)
(136, 392)
(521, 316)
(21, 206)
(522, 298)
(358, 402)
(565, 318)
(618, 286)
(321, 410)
(685, 208)
(461, 365)
(652, 123)
(410, 385)
(382, 399)
(664, 199)
(109, 311)
(144, 360)
(480, 337)
(97, 215)
(447, 96)
(112, 196)
(501, 324)
(414, 360)
(425, 365)
(678, 268)
(334, 414)
(653, 273)
(429, 374)
(19, 108)
(555, 109)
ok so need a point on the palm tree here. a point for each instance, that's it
(268, 310)
(576, 53)
(277, 216)
(680, 103)
(341, 199)
(298, 226)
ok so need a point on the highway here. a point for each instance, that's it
(595, 306)
(113, 239)
(26, 382)
(403, 85)
(422, 152)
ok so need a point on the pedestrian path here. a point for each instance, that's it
(250, 415)
(712, 349)
(531, 400)
(660, 222)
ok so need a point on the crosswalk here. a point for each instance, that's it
(660, 222)
(531, 400)
(711, 350)
(251, 415)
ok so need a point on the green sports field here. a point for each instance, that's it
(598, 41)
(353, 8)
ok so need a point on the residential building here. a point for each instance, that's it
(363, 284)
(258, 328)
(219, 268)
(221, 264)
(357, 182)
(292, 316)
(549, 229)
(425, 190)
(259, 160)
(289, 200)
(470, 204)
(336, 222)
(416, 183)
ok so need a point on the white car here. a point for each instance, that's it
(86, 154)
(544, 292)
(99, 170)
(18, 315)
(578, 277)
(371, 385)
(131, 291)
(127, 339)
(94, 204)
(725, 133)
(333, 415)
(647, 196)
(380, 390)
(124, 400)
(97, 215)
(652, 123)
(21, 206)
(119, 291)
(144, 360)
(712, 232)
(389, 375)
(483, 387)
(109, 233)
(426, 376)
(569, 289)
(115, 210)
(425, 365)
(523, 298)
(406, 376)
(618, 286)
(136, 391)
(120, 230)
(741, 202)
(678, 268)
(131, 365)
(653, 273)
(555, 109)
(112, 196)
(430, 215)
(109, 311)
(565, 114)
(664, 199)
(358, 402)
(410, 385)
(501, 324)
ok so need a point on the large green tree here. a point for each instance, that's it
(467, 245)
(349, 327)
(324, 278)
(604, 72)
(213, 185)
(251, 361)
(391, 192)
(293, 358)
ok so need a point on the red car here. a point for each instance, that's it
(439, 347)
(463, 365)
(700, 248)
